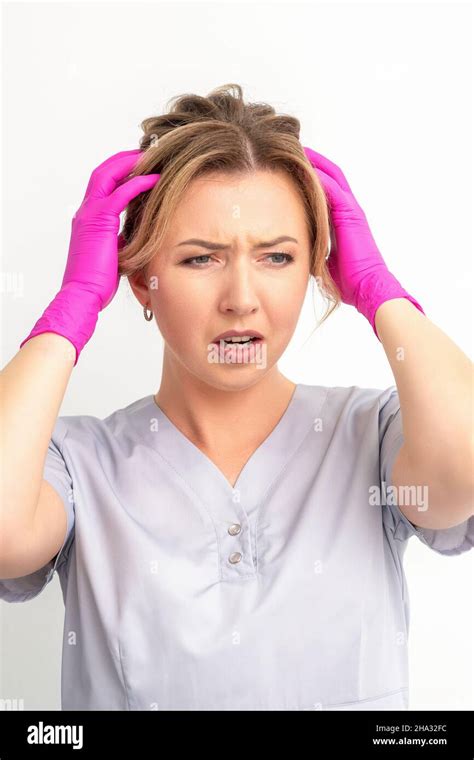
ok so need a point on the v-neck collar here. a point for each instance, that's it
(262, 468)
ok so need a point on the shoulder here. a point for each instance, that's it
(350, 400)
(89, 429)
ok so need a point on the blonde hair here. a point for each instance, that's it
(220, 132)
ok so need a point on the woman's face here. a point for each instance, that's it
(235, 278)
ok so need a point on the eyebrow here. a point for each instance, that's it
(221, 246)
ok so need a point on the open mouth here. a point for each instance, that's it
(233, 342)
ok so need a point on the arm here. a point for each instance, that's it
(434, 381)
(33, 384)
(32, 519)
(433, 376)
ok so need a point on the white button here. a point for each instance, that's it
(235, 557)
(234, 529)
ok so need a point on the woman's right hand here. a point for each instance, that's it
(91, 276)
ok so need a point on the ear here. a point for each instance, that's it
(138, 285)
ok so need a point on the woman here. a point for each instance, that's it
(234, 541)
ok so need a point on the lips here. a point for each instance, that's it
(238, 334)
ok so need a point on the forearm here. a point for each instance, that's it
(33, 384)
(434, 381)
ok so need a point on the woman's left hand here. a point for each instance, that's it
(355, 263)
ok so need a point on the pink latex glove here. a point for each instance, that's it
(91, 276)
(355, 263)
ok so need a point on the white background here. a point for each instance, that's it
(382, 89)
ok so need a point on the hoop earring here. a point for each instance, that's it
(148, 318)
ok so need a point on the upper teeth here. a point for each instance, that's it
(237, 339)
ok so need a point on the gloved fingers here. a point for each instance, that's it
(115, 156)
(343, 204)
(321, 162)
(332, 189)
(105, 177)
(122, 196)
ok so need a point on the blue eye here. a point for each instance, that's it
(288, 259)
(188, 261)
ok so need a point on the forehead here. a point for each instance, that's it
(252, 204)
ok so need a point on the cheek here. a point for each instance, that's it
(284, 302)
(177, 310)
(176, 288)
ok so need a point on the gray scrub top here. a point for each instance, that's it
(286, 592)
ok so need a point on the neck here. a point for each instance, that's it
(220, 418)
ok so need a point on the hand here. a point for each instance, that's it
(355, 263)
(91, 276)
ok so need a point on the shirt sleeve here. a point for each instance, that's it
(446, 541)
(57, 474)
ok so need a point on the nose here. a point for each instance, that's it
(239, 294)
